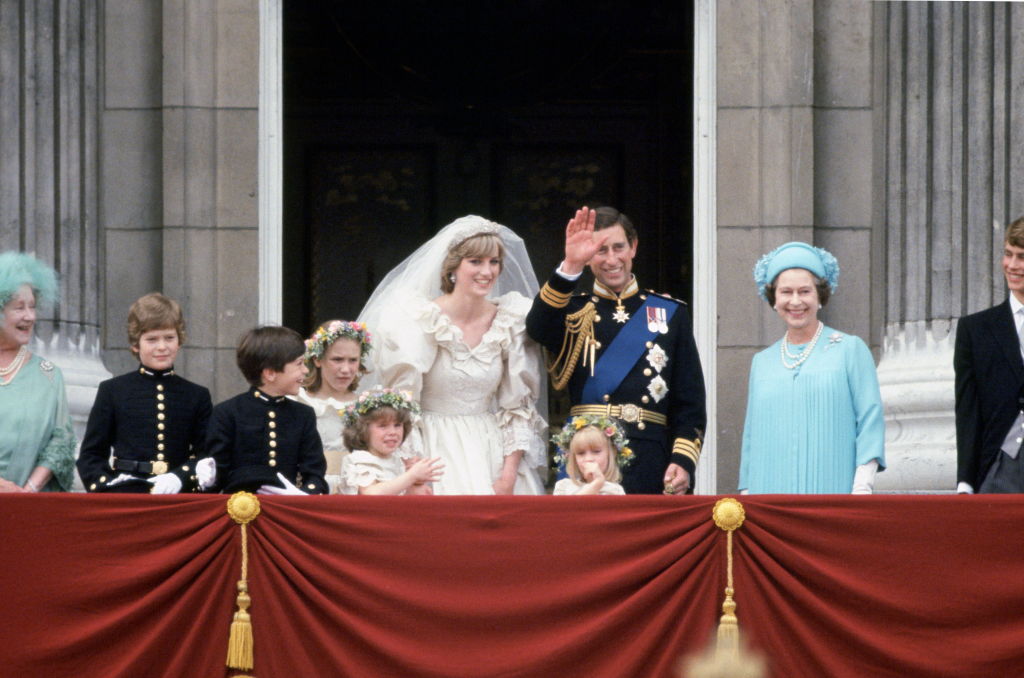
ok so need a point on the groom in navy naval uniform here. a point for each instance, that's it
(624, 352)
(990, 384)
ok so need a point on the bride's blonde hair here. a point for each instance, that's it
(479, 245)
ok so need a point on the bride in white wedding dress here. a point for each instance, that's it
(449, 327)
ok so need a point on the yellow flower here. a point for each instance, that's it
(626, 452)
(579, 422)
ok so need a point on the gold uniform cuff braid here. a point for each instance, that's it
(687, 448)
(553, 297)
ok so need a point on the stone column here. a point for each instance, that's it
(953, 167)
(49, 174)
(210, 169)
(180, 173)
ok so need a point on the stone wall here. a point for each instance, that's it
(179, 157)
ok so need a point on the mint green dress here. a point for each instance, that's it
(807, 429)
(35, 426)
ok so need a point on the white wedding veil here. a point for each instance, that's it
(419, 275)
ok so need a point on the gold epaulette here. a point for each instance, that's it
(552, 297)
(578, 338)
(687, 448)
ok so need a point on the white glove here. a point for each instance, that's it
(206, 472)
(864, 478)
(120, 479)
(273, 489)
(165, 483)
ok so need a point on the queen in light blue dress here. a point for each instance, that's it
(814, 419)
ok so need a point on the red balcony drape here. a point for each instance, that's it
(510, 586)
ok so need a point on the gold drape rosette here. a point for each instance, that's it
(243, 507)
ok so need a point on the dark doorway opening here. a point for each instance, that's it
(402, 116)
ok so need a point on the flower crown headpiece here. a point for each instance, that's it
(325, 336)
(817, 260)
(368, 401)
(609, 426)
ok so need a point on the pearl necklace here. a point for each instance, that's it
(14, 366)
(802, 357)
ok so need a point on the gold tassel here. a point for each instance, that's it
(243, 508)
(579, 334)
(240, 640)
(728, 515)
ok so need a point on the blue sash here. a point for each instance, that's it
(626, 348)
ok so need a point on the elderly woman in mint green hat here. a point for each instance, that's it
(37, 442)
(814, 411)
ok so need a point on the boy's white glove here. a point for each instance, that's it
(206, 473)
(273, 489)
(165, 483)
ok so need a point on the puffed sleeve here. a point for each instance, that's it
(405, 350)
(565, 487)
(867, 402)
(58, 454)
(521, 425)
(360, 469)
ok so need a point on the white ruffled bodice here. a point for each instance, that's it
(464, 380)
(421, 350)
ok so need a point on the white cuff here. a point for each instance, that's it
(864, 477)
(562, 274)
(964, 488)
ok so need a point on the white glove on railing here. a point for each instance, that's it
(864, 477)
(165, 483)
(206, 472)
(273, 489)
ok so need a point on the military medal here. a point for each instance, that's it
(657, 320)
(620, 315)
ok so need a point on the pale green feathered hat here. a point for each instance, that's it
(19, 268)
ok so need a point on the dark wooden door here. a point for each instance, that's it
(400, 120)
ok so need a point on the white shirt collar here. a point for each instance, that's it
(1017, 309)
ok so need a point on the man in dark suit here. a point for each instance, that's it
(624, 352)
(990, 384)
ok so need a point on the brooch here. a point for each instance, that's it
(657, 388)
(657, 358)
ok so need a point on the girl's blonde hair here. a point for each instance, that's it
(592, 436)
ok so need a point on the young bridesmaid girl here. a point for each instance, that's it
(597, 449)
(375, 426)
(336, 355)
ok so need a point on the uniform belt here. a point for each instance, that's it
(152, 467)
(628, 413)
